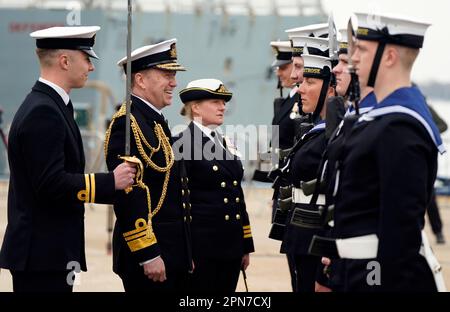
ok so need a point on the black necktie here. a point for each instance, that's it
(70, 107)
(216, 138)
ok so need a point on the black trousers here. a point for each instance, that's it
(215, 275)
(53, 281)
(306, 267)
(137, 281)
(434, 216)
(292, 271)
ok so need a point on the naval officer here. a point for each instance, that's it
(221, 234)
(44, 237)
(151, 240)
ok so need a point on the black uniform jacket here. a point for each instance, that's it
(386, 179)
(48, 187)
(286, 125)
(220, 223)
(131, 245)
(304, 167)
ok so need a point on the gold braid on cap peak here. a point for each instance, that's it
(163, 142)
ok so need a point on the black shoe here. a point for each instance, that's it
(440, 238)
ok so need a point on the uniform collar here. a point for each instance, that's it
(409, 100)
(207, 131)
(62, 93)
(366, 104)
(293, 91)
(149, 104)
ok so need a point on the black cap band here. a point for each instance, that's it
(382, 35)
(311, 51)
(284, 56)
(343, 48)
(319, 73)
(150, 61)
(66, 43)
(316, 51)
(196, 94)
(297, 51)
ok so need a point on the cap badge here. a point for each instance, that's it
(173, 51)
(222, 89)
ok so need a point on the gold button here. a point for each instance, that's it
(182, 192)
(184, 218)
(235, 183)
(227, 217)
(238, 217)
(189, 192)
(215, 168)
(189, 205)
(238, 199)
(225, 200)
(184, 206)
(223, 184)
(190, 218)
(187, 180)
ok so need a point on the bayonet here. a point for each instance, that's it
(354, 95)
(333, 48)
(332, 40)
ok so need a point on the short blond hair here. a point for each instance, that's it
(47, 56)
(407, 56)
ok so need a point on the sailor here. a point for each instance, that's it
(221, 233)
(151, 243)
(344, 78)
(387, 169)
(348, 89)
(44, 239)
(315, 30)
(303, 164)
(283, 129)
(282, 123)
(282, 197)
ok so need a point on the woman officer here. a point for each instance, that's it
(303, 165)
(220, 227)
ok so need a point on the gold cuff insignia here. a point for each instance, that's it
(247, 231)
(87, 195)
(141, 237)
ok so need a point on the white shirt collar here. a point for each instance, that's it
(207, 131)
(149, 104)
(62, 93)
(293, 91)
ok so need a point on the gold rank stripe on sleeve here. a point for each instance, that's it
(247, 231)
(92, 176)
(87, 194)
(141, 237)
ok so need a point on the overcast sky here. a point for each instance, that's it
(434, 60)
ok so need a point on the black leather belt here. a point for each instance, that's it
(323, 247)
